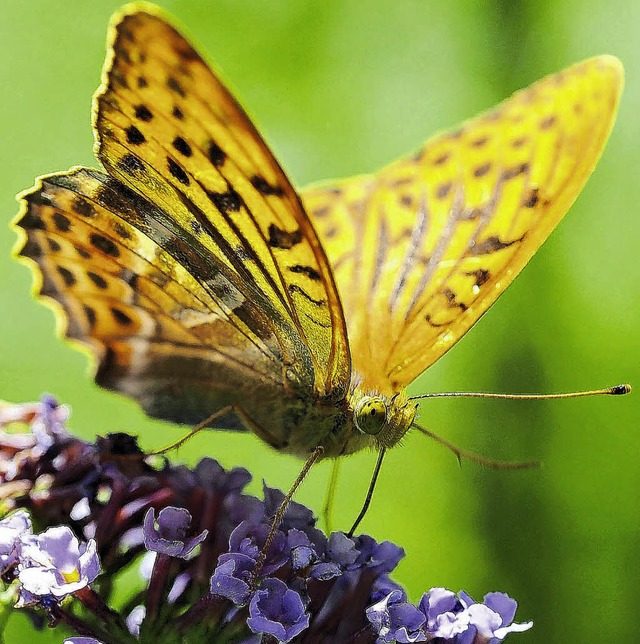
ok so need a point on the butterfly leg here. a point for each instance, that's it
(277, 517)
(372, 487)
(199, 427)
(210, 422)
(327, 509)
(477, 458)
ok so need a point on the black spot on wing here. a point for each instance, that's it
(532, 199)
(491, 245)
(186, 53)
(121, 317)
(143, 113)
(121, 231)
(83, 208)
(482, 170)
(264, 187)
(511, 173)
(330, 233)
(142, 82)
(67, 276)
(177, 113)
(91, 315)
(441, 159)
(126, 34)
(229, 201)
(134, 136)
(216, 155)
(443, 190)
(177, 172)
(279, 238)
(98, 280)
(308, 271)
(479, 142)
(129, 277)
(54, 246)
(31, 221)
(31, 249)
(182, 146)
(118, 78)
(547, 122)
(175, 86)
(322, 211)
(61, 222)
(82, 252)
(104, 244)
(481, 276)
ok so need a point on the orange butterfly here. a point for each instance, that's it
(204, 283)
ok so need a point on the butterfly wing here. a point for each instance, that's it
(216, 281)
(115, 265)
(167, 128)
(423, 248)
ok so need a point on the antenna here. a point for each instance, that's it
(617, 390)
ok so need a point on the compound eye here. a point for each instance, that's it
(371, 415)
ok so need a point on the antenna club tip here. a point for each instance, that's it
(621, 390)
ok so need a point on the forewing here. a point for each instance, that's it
(423, 248)
(168, 129)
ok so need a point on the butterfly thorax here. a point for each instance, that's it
(361, 420)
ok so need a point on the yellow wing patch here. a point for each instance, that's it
(423, 248)
(167, 128)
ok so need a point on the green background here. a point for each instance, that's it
(339, 88)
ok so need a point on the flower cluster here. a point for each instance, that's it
(445, 617)
(214, 567)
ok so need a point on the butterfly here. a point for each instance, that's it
(203, 282)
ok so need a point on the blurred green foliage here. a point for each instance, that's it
(339, 88)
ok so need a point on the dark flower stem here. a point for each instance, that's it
(95, 604)
(157, 584)
(113, 630)
(83, 628)
(209, 607)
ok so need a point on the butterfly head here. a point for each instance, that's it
(386, 419)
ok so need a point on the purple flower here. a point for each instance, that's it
(12, 529)
(491, 621)
(55, 563)
(396, 620)
(81, 640)
(249, 538)
(232, 577)
(442, 608)
(169, 537)
(309, 588)
(47, 419)
(382, 557)
(443, 616)
(277, 610)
